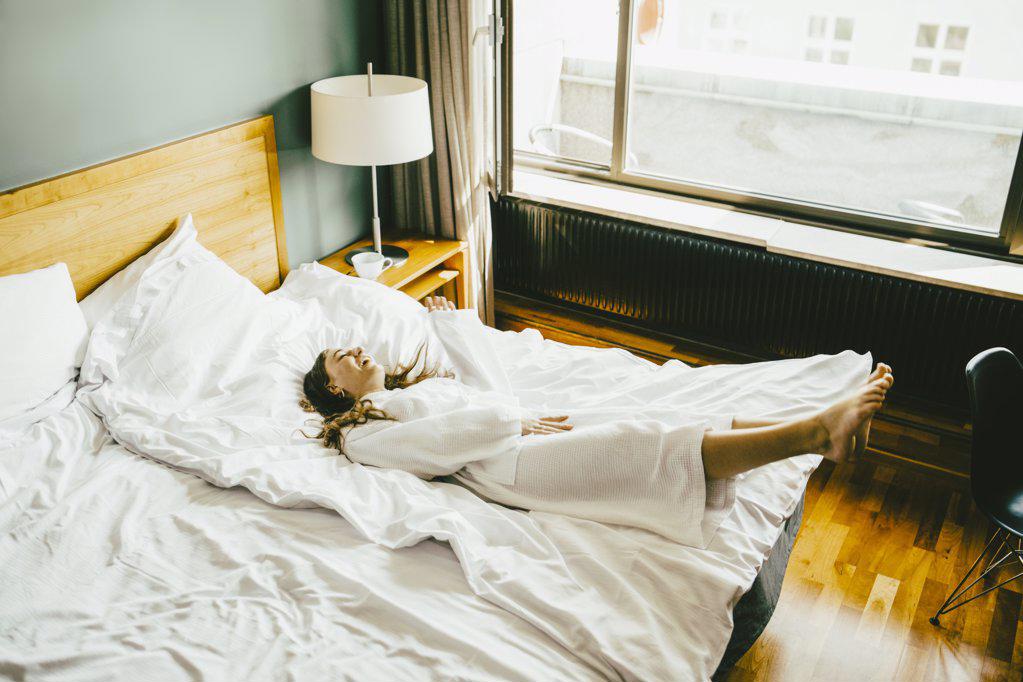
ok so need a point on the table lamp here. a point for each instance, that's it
(368, 120)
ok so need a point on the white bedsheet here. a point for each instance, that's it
(115, 567)
(201, 372)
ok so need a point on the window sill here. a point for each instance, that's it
(872, 254)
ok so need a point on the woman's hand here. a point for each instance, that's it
(435, 303)
(545, 426)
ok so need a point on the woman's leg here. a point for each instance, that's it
(833, 433)
(744, 423)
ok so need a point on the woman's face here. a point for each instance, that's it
(352, 371)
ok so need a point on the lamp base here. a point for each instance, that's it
(397, 254)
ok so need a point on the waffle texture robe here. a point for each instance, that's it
(643, 469)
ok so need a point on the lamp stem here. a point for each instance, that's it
(376, 215)
(373, 171)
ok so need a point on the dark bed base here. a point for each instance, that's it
(755, 608)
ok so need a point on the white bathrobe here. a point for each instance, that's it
(642, 469)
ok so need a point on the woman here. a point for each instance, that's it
(652, 468)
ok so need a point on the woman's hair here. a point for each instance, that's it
(342, 411)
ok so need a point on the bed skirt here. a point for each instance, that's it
(755, 608)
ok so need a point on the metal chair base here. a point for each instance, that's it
(1000, 540)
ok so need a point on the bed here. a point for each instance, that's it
(129, 556)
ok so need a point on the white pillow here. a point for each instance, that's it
(197, 351)
(102, 300)
(42, 338)
(390, 325)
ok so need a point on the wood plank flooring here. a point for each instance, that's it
(878, 551)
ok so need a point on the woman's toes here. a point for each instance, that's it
(881, 371)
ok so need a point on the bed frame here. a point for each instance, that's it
(101, 218)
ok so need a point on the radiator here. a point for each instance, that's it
(745, 299)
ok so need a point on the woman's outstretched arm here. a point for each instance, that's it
(436, 445)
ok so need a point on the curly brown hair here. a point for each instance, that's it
(341, 412)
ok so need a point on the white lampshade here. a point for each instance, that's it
(351, 127)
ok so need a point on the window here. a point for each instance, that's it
(811, 116)
(727, 29)
(829, 39)
(565, 55)
(939, 49)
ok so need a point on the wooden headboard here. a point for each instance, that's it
(100, 219)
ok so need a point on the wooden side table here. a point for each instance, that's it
(432, 264)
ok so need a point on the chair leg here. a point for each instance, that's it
(998, 541)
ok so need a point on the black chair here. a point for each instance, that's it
(995, 381)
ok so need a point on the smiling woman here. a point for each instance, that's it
(337, 385)
(354, 370)
(678, 477)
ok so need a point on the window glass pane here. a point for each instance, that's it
(949, 69)
(955, 39)
(844, 28)
(868, 124)
(816, 27)
(921, 65)
(927, 35)
(564, 60)
(839, 57)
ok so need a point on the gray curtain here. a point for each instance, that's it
(446, 194)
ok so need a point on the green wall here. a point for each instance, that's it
(83, 81)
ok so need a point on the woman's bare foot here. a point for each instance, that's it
(841, 423)
(881, 372)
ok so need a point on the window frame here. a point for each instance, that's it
(1007, 244)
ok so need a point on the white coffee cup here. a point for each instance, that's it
(370, 264)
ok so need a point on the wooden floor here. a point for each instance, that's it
(878, 551)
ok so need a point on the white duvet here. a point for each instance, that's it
(198, 370)
(114, 567)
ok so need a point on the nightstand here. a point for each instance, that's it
(432, 264)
